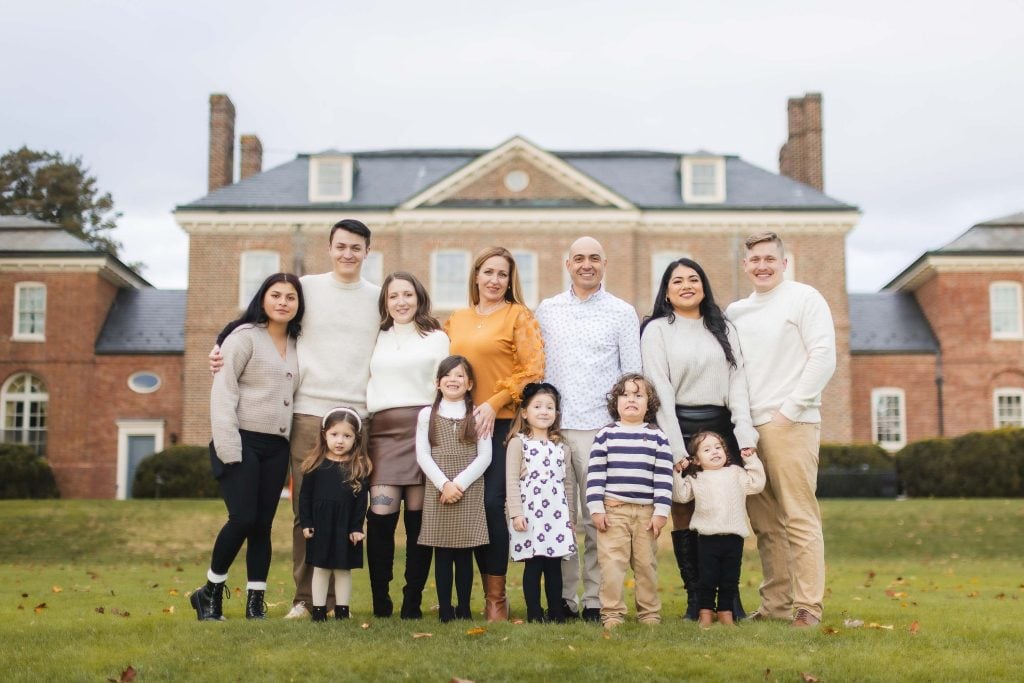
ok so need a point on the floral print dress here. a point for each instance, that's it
(542, 492)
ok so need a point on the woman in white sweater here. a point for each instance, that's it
(251, 406)
(692, 356)
(409, 348)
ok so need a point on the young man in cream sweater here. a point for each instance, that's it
(789, 349)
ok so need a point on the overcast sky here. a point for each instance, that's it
(923, 101)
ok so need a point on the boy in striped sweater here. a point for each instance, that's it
(629, 495)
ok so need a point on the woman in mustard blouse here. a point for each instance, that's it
(501, 339)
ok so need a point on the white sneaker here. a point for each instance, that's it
(298, 611)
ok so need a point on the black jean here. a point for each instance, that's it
(720, 559)
(251, 491)
(492, 558)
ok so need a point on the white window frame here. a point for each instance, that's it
(900, 395)
(344, 192)
(140, 390)
(566, 277)
(531, 286)
(245, 295)
(132, 427)
(1015, 288)
(659, 262)
(449, 301)
(1006, 392)
(373, 267)
(27, 398)
(16, 333)
(790, 272)
(687, 165)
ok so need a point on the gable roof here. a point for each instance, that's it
(144, 321)
(387, 179)
(889, 322)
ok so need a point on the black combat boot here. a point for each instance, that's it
(255, 606)
(208, 601)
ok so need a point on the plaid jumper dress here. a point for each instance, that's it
(463, 524)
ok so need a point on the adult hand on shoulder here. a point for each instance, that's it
(484, 415)
(307, 533)
(216, 360)
(600, 521)
(654, 526)
(519, 523)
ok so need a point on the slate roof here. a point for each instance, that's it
(889, 322)
(385, 179)
(998, 236)
(20, 235)
(143, 321)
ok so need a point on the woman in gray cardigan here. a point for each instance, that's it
(251, 417)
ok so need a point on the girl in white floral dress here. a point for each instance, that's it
(537, 478)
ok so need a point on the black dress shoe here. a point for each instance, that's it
(592, 614)
(568, 612)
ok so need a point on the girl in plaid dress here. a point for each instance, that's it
(453, 459)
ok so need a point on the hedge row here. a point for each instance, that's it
(23, 474)
(856, 471)
(176, 472)
(975, 465)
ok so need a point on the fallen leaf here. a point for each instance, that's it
(120, 612)
(178, 569)
(829, 631)
(21, 606)
(155, 585)
(914, 628)
(767, 674)
(169, 610)
(364, 625)
(99, 610)
(504, 639)
(853, 623)
(605, 634)
(895, 594)
(25, 595)
(422, 635)
(1001, 596)
(572, 648)
(460, 680)
(973, 594)
(40, 607)
(883, 627)
(238, 590)
(517, 622)
(173, 591)
(57, 589)
(479, 630)
(127, 676)
(808, 678)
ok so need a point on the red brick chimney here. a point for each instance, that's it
(252, 155)
(801, 158)
(222, 142)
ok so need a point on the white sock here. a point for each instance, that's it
(215, 578)
(256, 586)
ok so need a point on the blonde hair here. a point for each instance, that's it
(514, 293)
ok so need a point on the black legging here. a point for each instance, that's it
(461, 559)
(720, 560)
(492, 558)
(251, 491)
(551, 569)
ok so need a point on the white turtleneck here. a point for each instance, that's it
(403, 367)
(455, 410)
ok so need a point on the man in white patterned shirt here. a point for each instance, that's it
(591, 338)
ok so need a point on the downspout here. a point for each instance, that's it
(938, 391)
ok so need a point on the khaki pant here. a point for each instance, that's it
(628, 543)
(305, 432)
(787, 521)
(580, 441)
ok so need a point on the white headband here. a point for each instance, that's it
(342, 409)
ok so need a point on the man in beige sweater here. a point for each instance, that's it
(789, 348)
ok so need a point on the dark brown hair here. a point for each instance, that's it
(423, 320)
(694, 443)
(653, 404)
(359, 464)
(519, 423)
(469, 423)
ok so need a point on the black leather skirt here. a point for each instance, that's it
(718, 419)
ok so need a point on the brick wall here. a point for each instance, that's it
(801, 157)
(491, 186)
(914, 374)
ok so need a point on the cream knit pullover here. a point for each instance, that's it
(721, 496)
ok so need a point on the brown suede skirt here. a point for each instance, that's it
(393, 447)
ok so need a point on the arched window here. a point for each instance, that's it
(23, 402)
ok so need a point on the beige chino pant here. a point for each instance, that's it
(628, 543)
(305, 433)
(787, 521)
(580, 442)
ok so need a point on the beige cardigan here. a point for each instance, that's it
(254, 391)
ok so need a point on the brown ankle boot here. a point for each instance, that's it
(495, 601)
(706, 617)
(725, 618)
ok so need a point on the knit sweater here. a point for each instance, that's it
(687, 367)
(632, 464)
(254, 390)
(789, 343)
(403, 367)
(721, 497)
(339, 330)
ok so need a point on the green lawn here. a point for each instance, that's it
(90, 588)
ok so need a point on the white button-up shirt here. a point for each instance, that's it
(588, 345)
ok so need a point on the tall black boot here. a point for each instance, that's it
(737, 608)
(417, 566)
(446, 613)
(380, 556)
(207, 601)
(255, 606)
(684, 547)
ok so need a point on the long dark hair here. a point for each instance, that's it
(255, 315)
(714, 319)
(519, 423)
(469, 423)
(359, 464)
(423, 320)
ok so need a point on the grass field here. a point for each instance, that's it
(91, 588)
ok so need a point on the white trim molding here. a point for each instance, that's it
(930, 265)
(16, 333)
(702, 178)
(133, 427)
(457, 297)
(250, 258)
(330, 178)
(1006, 312)
(896, 422)
(1015, 396)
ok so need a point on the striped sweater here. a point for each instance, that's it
(632, 464)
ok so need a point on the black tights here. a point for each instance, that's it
(252, 491)
(492, 558)
(461, 559)
(551, 568)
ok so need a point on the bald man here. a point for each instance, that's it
(590, 339)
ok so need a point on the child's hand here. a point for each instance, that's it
(657, 521)
(519, 523)
(600, 521)
(307, 533)
(748, 452)
(450, 493)
(356, 536)
(682, 464)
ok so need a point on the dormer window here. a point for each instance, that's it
(703, 179)
(330, 178)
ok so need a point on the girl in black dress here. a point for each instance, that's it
(332, 506)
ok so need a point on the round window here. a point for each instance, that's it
(516, 181)
(144, 382)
